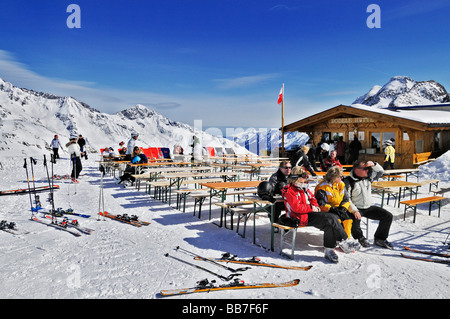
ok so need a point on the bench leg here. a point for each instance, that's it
(283, 240)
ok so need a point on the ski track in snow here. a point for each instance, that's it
(122, 261)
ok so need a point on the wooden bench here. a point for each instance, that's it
(285, 242)
(431, 182)
(199, 198)
(412, 204)
(161, 189)
(440, 191)
(232, 208)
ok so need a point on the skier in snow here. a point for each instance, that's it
(82, 142)
(302, 207)
(130, 146)
(359, 188)
(75, 156)
(137, 157)
(389, 151)
(55, 144)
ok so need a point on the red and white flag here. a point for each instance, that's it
(280, 96)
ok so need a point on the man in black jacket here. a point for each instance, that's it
(278, 180)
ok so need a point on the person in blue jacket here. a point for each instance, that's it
(137, 157)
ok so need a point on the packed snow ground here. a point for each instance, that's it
(122, 261)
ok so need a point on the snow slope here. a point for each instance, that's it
(122, 261)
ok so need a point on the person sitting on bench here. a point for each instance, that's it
(359, 188)
(302, 206)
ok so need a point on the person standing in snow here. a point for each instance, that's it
(355, 147)
(130, 146)
(82, 142)
(75, 156)
(389, 151)
(340, 149)
(301, 159)
(55, 144)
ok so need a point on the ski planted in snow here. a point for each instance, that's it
(206, 286)
(254, 261)
(26, 190)
(59, 226)
(11, 227)
(427, 252)
(439, 261)
(120, 219)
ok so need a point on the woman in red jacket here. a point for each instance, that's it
(301, 205)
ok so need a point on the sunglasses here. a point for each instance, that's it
(286, 167)
(302, 175)
(364, 168)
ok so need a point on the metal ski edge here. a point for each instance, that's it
(439, 261)
(77, 234)
(427, 252)
(183, 291)
(262, 264)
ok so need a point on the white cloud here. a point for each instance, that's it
(245, 81)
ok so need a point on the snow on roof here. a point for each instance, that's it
(423, 116)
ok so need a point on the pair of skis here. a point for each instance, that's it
(430, 253)
(132, 220)
(11, 227)
(207, 286)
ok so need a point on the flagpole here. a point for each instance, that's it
(282, 122)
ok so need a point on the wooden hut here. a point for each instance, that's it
(418, 133)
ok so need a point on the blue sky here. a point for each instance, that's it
(222, 61)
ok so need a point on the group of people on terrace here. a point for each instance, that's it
(335, 206)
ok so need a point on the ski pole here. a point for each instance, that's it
(51, 190)
(28, 182)
(36, 197)
(197, 257)
(204, 269)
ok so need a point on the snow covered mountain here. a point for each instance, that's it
(30, 119)
(259, 141)
(403, 91)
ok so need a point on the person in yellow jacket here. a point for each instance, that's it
(389, 151)
(332, 197)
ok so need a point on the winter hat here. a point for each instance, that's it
(388, 142)
(134, 134)
(325, 147)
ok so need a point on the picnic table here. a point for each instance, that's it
(406, 171)
(385, 185)
(221, 188)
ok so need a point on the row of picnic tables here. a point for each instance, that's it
(230, 174)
